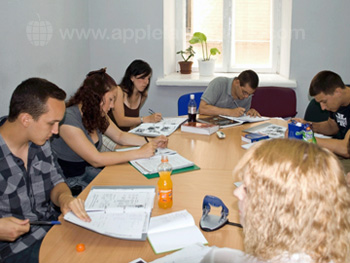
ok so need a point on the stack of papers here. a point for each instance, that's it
(165, 127)
(118, 211)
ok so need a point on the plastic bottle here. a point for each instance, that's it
(192, 109)
(165, 185)
(308, 134)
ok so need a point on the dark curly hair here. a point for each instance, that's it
(136, 68)
(90, 94)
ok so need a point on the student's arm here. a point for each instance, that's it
(125, 121)
(207, 109)
(80, 144)
(328, 127)
(126, 138)
(339, 147)
(12, 228)
(62, 197)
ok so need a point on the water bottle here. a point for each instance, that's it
(165, 185)
(192, 109)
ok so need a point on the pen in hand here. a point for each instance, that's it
(237, 105)
(152, 112)
(45, 222)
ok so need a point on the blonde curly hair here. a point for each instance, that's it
(297, 201)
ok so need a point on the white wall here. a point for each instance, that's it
(135, 30)
(326, 45)
(61, 61)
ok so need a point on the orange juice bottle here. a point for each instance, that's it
(165, 185)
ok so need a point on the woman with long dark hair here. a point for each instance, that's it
(131, 95)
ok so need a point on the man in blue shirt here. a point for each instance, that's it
(31, 181)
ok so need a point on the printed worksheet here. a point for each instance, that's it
(120, 211)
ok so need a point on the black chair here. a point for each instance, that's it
(315, 113)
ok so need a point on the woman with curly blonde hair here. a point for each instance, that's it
(294, 205)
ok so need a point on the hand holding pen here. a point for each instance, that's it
(238, 111)
(155, 116)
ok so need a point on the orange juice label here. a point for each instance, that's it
(165, 196)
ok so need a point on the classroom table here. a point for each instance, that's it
(216, 158)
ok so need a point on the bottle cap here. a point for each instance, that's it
(192, 96)
(164, 159)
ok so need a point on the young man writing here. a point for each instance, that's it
(330, 91)
(230, 96)
(31, 181)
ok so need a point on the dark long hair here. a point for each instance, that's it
(90, 94)
(136, 68)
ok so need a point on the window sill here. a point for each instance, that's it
(177, 79)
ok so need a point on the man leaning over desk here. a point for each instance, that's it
(31, 180)
(230, 96)
(333, 95)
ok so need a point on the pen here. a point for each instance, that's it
(236, 104)
(152, 112)
(45, 222)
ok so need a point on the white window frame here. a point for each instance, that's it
(276, 31)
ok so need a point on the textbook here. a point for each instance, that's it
(270, 129)
(149, 166)
(199, 128)
(254, 137)
(221, 121)
(246, 118)
(118, 211)
(173, 231)
(165, 127)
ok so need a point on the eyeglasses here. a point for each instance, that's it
(246, 93)
(213, 222)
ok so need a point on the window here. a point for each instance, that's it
(242, 30)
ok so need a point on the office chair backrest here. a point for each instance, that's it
(275, 102)
(315, 113)
(182, 103)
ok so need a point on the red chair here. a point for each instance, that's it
(275, 102)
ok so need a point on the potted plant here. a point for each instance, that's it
(186, 65)
(206, 65)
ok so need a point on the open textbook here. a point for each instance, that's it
(165, 127)
(118, 211)
(149, 166)
(246, 118)
(270, 129)
(173, 231)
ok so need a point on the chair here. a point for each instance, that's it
(315, 113)
(182, 102)
(275, 102)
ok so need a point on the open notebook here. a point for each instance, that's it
(149, 166)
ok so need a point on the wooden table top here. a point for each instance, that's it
(216, 158)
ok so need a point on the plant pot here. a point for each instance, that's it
(206, 67)
(185, 67)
